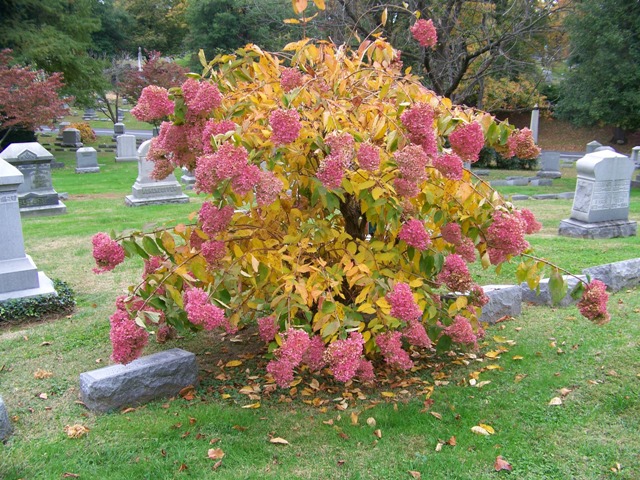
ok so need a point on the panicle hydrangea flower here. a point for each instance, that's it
(152, 264)
(172, 143)
(425, 33)
(201, 312)
(341, 145)
(344, 356)
(153, 105)
(521, 145)
(405, 187)
(403, 305)
(531, 225)
(593, 304)
(413, 233)
(369, 157)
(467, 250)
(127, 338)
(505, 237)
(450, 165)
(162, 168)
(107, 253)
(228, 162)
(365, 371)
(268, 328)
(455, 274)
(200, 97)
(290, 78)
(412, 161)
(418, 121)
(390, 345)
(166, 332)
(461, 331)
(467, 141)
(213, 252)
(195, 240)
(452, 233)
(416, 335)
(213, 219)
(314, 358)
(477, 296)
(244, 182)
(282, 371)
(213, 128)
(285, 125)
(295, 345)
(330, 172)
(268, 188)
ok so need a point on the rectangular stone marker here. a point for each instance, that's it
(147, 191)
(617, 276)
(543, 297)
(87, 160)
(635, 156)
(504, 300)
(71, 138)
(534, 124)
(601, 202)
(36, 195)
(118, 129)
(126, 150)
(549, 165)
(61, 127)
(188, 179)
(5, 424)
(155, 376)
(592, 146)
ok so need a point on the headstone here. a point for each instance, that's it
(542, 296)
(71, 138)
(635, 156)
(19, 276)
(534, 124)
(126, 148)
(188, 179)
(147, 191)
(61, 127)
(504, 300)
(89, 114)
(87, 160)
(118, 129)
(601, 202)
(617, 276)
(604, 148)
(147, 378)
(5, 424)
(549, 165)
(36, 195)
(591, 146)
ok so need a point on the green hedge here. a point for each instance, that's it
(489, 158)
(21, 309)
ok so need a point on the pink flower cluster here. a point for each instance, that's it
(268, 328)
(229, 162)
(416, 334)
(424, 33)
(477, 297)
(172, 147)
(244, 182)
(290, 78)
(452, 233)
(201, 312)
(345, 359)
(165, 332)
(531, 225)
(268, 188)
(153, 105)
(413, 233)
(467, 141)
(285, 125)
(455, 274)
(331, 171)
(403, 305)
(369, 157)
(152, 264)
(390, 345)
(314, 358)
(200, 97)
(405, 187)
(505, 236)
(213, 219)
(461, 331)
(521, 145)
(450, 165)
(213, 252)
(107, 253)
(213, 128)
(412, 162)
(593, 304)
(419, 123)
(341, 145)
(467, 250)
(127, 338)
(289, 356)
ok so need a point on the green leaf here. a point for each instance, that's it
(577, 291)
(328, 306)
(557, 286)
(151, 246)
(444, 344)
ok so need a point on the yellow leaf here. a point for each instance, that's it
(378, 433)
(499, 339)
(517, 357)
(233, 363)
(215, 453)
(437, 415)
(492, 354)
(383, 18)
(555, 401)
(225, 396)
(320, 4)
(488, 428)
(291, 20)
(354, 418)
(75, 431)
(39, 374)
(252, 405)
(479, 430)
(388, 394)
(299, 6)
(371, 422)
(279, 441)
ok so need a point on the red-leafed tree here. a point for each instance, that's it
(155, 71)
(28, 98)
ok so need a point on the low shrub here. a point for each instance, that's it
(87, 134)
(491, 158)
(21, 309)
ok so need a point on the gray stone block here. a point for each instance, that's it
(571, 227)
(5, 423)
(543, 295)
(499, 183)
(503, 300)
(549, 174)
(481, 172)
(545, 182)
(545, 196)
(567, 195)
(519, 197)
(147, 378)
(617, 276)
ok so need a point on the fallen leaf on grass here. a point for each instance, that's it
(437, 415)
(520, 377)
(217, 465)
(215, 453)
(239, 428)
(233, 363)
(555, 401)
(43, 396)
(75, 431)
(354, 418)
(371, 422)
(612, 373)
(40, 374)
(70, 475)
(128, 410)
(517, 357)
(493, 354)
(488, 428)
(183, 467)
(378, 433)
(252, 405)
(278, 441)
(414, 474)
(565, 391)
(478, 430)
(188, 393)
(388, 394)
(502, 464)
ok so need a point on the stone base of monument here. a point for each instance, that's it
(88, 170)
(20, 278)
(549, 174)
(127, 159)
(57, 208)
(157, 193)
(188, 179)
(147, 378)
(504, 300)
(5, 424)
(571, 227)
(542, 296)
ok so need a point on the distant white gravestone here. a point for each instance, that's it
(87, 160)
(601, 201)
(126, 150)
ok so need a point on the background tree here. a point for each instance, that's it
(28, 98)
(155, 71)
(603, 82)
(117, 26)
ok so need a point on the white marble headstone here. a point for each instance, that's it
(126, 150)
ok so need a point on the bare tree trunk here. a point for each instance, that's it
(619, 136)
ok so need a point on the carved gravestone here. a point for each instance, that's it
(601, 201)
(592, 146)
(36, 194)
(534, 125)
(71, 138)
(188, 179)
(147, 191)
(549, 165)
(5, 424)
(635, 156)
(126, 150)
(61, 128)
(87, 160)
(19, 276)
(118, 129)
(90, 114)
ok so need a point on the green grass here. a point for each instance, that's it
(130, 122)
(593, 431)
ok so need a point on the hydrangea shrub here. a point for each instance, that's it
(339, 215)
